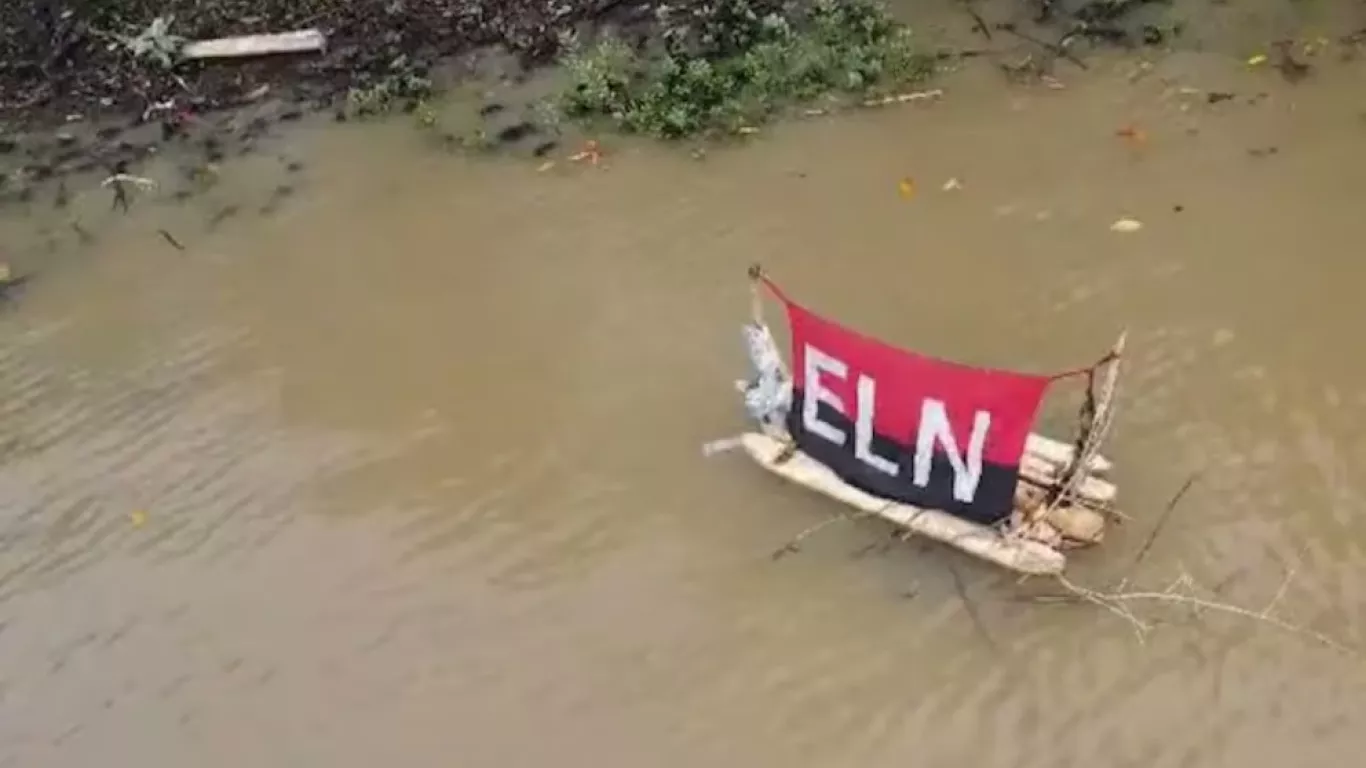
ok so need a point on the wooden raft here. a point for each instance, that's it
(1063, 500)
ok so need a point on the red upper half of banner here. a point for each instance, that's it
(850, 369)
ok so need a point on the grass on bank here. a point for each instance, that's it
(724, 65)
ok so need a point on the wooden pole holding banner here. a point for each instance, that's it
(1092, 431)
(756, 304)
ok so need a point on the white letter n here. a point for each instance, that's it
(967, 469)
(814, 394)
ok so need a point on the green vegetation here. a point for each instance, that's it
(401, 82)
(725, 65)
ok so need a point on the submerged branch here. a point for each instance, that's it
(794, 544)
(1116, 602)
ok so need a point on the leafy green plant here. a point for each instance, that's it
(156, 43)
(728, 64)
(404, 82)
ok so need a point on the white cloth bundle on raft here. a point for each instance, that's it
(768, 392)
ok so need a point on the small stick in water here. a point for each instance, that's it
(1166, 515)
(168, 238)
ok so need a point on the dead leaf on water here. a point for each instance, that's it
(547, 165)
(592, 152)
(6, 274)
(952, 184)
(1257, 60)
(137, 517)
(1133, 135)
(1126, 225)
(906, 187)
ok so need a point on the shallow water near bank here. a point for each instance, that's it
(407, 468)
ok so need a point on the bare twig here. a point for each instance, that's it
(978, 23)
(794, 544)
(170, 239)
(1115, 602)
(1166, 515)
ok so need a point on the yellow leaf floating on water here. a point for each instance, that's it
(137, 517)
(1258, 59)
(907, 188)
(1126, 225)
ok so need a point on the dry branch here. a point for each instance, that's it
(1181, 593)
(794, 544)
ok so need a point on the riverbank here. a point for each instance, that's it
(86, 97)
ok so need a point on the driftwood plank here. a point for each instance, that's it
(302, 41)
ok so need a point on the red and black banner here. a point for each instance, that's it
(906, 427)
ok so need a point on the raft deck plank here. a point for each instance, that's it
(1013, 552)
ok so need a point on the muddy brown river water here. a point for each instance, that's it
(408, 473)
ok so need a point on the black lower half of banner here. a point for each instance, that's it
(992, 499)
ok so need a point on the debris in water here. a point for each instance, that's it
(1292, 70)
(547, 165)
(138, 518)
(590, 152)
(1126, 225)
(952, 184)
(1052, 83)
(223, 214)
(720, 446)
(1133, 135)
(119, 181)
(906, 187)
(1315, 46)
(170, 239)
(1257, 60)
(904, 98)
